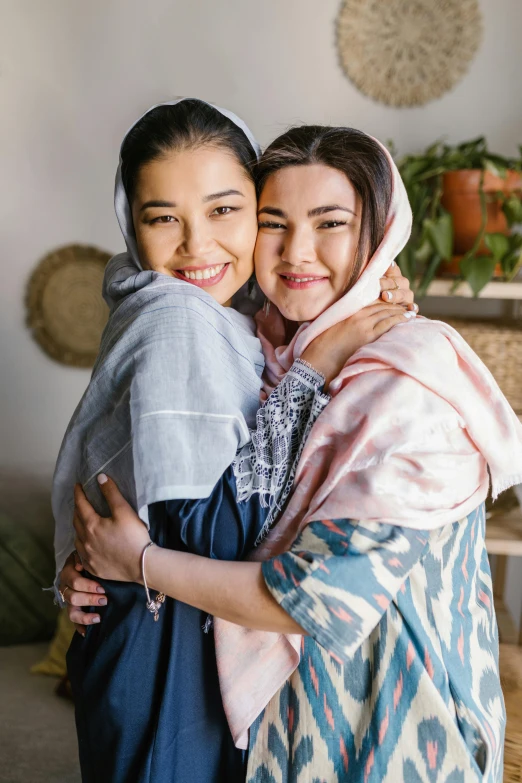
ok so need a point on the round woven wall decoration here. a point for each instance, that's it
(65, 308)
(407, 52)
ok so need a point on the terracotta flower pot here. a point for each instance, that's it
(462, 200)
(452, 268)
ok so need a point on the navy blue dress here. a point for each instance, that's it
(148, 705)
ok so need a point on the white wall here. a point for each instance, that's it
(74, 75)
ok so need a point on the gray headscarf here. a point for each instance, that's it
(173, 392)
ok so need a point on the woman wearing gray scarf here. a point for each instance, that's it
(174, 392)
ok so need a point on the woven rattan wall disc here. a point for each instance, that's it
(65, 308)
(407, 52)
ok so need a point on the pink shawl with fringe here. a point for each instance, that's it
(415, 421)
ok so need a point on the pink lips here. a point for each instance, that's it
(209, 281)
(305, 283)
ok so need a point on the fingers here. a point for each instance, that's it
(81, 583)
(68, 575)
(77, 561)
(392, 271)
(78, 543)
(396, 288)
(385, 324)
(81, 534)
(112, 494)
(84, 510)
(382, 315)
(401, 296)
(81, 618)
(77, 598)
(377, 307)
(398, 296)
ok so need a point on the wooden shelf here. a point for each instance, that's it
(504, 533)
(493, 290)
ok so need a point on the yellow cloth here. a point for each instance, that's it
(54, 661)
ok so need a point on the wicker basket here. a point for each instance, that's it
(513, 757)
(499, 345)
(511, 678)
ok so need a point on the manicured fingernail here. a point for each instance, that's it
(96, 619)
(102, 478)
(416, 307)
(100, 590)
(410, 314)
(82, 633)
(102, 602)
(388, 295)
(392, 263)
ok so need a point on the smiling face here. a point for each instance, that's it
(309, 225)
(194, 215)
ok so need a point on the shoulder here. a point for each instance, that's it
(409, 372)
(428, 337)
(169, 307)
(420, 348)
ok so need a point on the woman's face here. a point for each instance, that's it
(194, 214)
(309, 224)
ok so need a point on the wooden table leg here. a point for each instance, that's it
(506, 627)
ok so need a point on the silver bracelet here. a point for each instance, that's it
(152, 606)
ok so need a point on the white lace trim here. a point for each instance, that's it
(267, 464)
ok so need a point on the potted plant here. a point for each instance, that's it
(465, 203)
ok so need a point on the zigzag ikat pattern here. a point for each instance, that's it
(398, 679)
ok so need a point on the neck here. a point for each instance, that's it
(291, 328)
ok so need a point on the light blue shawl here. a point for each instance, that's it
(173, 392)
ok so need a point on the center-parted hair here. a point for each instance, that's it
(185, 125)
(350, 151)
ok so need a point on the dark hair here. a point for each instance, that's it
(354, 153)
(188, 124)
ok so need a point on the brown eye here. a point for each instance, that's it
(270, 224)
(333, 224)
(225, 210)
(164, 219)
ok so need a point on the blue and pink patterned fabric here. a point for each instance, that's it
(398, 679)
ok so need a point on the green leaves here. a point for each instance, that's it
(478, 271)
(512, 208)
(440, 234)
(431, 239)
(512, 259)
(498, 244)
(496, 165)
(506, 250)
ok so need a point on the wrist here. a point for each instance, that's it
(152, 566)
(144, 566)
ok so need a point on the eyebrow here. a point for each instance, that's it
(330, 208)
(312, 213)
(211, 197)
(157, 204)
(222, 194)
(273, 211)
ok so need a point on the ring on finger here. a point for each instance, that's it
(62, 592)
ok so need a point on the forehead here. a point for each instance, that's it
(202, 170)
(309, 186)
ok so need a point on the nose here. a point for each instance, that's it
(197, 239)
(298, 247)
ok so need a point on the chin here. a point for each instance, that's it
(299, 311)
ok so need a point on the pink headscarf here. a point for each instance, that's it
(415, 421)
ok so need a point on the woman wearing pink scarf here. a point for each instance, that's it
(362, 644)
